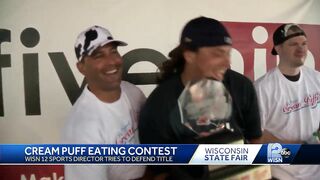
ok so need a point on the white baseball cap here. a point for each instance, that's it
(92, 38)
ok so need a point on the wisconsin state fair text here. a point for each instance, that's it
(107, 151)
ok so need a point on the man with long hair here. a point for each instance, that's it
(203, 52)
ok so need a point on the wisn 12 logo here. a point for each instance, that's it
(277, 154)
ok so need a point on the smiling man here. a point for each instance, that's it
(204, 52)
(288, 114)
(107, 110)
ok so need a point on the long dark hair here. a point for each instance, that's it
(175, 65)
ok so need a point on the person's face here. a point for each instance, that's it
(293, 51)
(103, 69)
(211, 62)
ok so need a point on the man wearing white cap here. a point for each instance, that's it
(106, 111)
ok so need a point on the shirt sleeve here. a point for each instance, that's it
(251, 115)
(153, 127)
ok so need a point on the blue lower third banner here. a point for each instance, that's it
(203, 154)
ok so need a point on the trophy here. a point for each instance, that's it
(205, 108)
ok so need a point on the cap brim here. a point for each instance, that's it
(274, 52)
(120, 43)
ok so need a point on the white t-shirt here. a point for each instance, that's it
(290, 111)
(92, 121)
